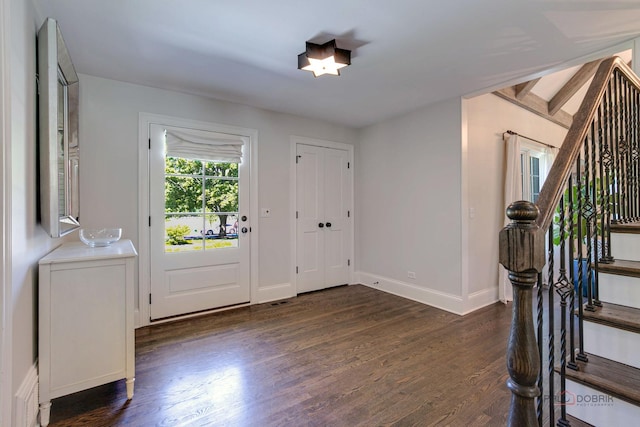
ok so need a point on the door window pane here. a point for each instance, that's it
(201, 205)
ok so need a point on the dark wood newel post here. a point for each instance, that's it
(522, 253)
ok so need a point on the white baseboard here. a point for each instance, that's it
(444, 301)
(275, 292)
(481, 299)
(26, 400)
(441, 300)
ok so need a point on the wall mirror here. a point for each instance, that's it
(58, 133)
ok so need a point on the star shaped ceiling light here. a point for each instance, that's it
(324, 58)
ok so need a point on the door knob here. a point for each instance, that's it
(328, 224)
(244, 229)
(321, 225)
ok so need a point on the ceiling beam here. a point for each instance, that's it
(523, 89)
(536, 105)
(572, 86)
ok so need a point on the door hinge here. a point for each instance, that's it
(348, 262)
(149, 143)
(149, 299)
(348, 165)
(348, 214)
(296, 269)
(297, 158)
(149, 220)
(296, 214)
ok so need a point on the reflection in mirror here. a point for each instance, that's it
(58, 133)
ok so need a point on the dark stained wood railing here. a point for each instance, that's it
(554, 185)
(593, 182)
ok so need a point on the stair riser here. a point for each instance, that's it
(625, 246)
(599, 409)
(622, 290)
(612, 343)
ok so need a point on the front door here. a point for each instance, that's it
(199, 203)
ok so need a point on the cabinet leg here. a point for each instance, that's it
(130, 388)
(45, 411)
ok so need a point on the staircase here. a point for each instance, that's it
(577, 360)
(605, 391)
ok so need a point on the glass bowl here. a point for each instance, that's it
(100, 237)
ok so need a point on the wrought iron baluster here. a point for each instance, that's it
(593, 229)
(606, 156)
(627, 151)
(550, 327)
(635, 119)
(540, 332)
(615, 144)
(565, 290)
(587, 217)
(633, 155)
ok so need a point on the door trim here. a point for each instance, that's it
(295, 140)
(6, 306)
(142, 316)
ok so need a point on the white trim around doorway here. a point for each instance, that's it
(6, 310)
(142, 315)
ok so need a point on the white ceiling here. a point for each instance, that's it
(406, 53)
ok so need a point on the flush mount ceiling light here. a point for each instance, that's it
(324, 59)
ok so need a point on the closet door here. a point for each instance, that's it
(323, 245)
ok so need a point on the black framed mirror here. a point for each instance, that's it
(58, 100)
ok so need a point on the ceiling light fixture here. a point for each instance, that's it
(324, 59)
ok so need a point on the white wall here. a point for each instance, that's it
(109, 159)
(29, 242)
(408, 200)
(488, 117)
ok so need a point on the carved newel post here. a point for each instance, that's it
(522, 253)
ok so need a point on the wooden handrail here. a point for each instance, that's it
(552, 189)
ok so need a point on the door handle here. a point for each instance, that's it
(244, 229)
(328, 224)
(321, 225)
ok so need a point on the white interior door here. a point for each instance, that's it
(199, 227)
(323, 236)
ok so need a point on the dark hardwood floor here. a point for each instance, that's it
(347, 356)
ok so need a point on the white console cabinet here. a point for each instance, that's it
(86, 328)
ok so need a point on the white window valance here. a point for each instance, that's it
(202, 145)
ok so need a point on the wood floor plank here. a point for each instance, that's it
(347, 356)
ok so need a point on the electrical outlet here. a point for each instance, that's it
(411, 274)
(265, 212)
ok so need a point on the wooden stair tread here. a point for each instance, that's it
(613, 378)
(617, 316)
(631, 228)
(575, 422)
(621, 267)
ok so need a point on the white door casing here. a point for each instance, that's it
(323, 200)
(219, 268)
(6, 312)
